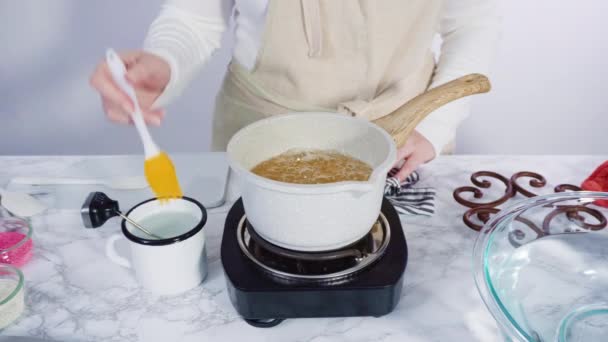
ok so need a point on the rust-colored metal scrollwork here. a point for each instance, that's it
(517, 235)
(573, 213)
(484, 184)
(482, 213)
(537, 181)
(567, 187)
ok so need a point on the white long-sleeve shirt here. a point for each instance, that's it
(187, 33)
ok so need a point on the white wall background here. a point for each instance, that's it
(549, 94)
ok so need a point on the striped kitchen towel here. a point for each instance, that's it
(407, 199)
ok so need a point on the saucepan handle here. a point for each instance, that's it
(402, 122)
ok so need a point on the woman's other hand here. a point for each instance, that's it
(416, 151)
(149, 75)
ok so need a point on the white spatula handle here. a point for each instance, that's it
(118, 71)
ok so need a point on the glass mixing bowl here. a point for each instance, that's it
(541, 267)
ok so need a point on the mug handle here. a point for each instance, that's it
(113, 255)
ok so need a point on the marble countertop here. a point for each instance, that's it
(74, 293)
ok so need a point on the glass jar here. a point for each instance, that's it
(12, 289)
(16, 243)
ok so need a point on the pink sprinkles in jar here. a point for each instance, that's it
(15, 242)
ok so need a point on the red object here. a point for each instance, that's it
(598, 181)
(18, 256)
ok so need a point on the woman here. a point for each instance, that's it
(358, 57)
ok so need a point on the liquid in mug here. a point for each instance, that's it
(167, 224)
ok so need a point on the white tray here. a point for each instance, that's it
(202, 177)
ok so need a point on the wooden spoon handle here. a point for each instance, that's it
(400, 123)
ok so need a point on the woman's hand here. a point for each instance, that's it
(416, 151)
(149, 75)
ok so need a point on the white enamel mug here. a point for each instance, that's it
(171, 265)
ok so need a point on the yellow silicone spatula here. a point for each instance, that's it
(158, 168)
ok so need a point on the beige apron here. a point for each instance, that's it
(358, 57)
